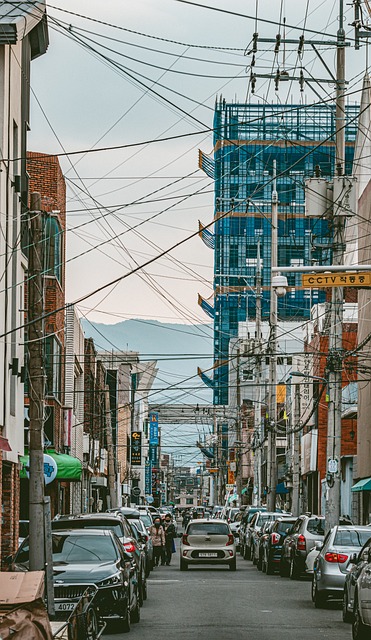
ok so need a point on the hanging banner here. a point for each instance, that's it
(136, 448)
(148, 479)
(153, 455)
(153, 428)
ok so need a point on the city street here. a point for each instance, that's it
(214, 604)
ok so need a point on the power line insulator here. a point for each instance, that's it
(277, 80)
(253, 82)
(301, 45)
(278, 43)
(301, 80)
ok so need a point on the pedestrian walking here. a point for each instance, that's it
(170, 534)
(157, 534)
(186, 518)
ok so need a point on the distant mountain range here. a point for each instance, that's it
(178, 348)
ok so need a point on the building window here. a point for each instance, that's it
(53, 248)
(53, 366)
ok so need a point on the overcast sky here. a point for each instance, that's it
(90, 102)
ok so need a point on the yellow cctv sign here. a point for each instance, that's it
(318, 280)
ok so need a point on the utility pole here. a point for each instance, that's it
(110, 454)
(258, 394)
(36, 386)
(238, 450)
(271, 453)
(295, 507)
(336, 318)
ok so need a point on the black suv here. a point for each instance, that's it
(117, 523)
(82, 558)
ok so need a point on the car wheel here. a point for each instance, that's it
(87, 624)
(246, 553)
(135, 613)
(242, 550)
(259, 562)
(140, 594)
(269, 568)
(233, 564)
(144, 590)
(318, 597)
(293, 572)
(126, 623)
(264, 565)
(359, 630)
(253, 557)
(347, 616)
(283, 569)
(183, 565)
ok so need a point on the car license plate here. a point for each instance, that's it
(65, 606)
(207, 555)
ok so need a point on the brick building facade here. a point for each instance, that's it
(319, 345)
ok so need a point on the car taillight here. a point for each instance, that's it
(300, 543)
(129, 547)
(336, 557)
(275, 538)
(230, 539)
(185, 539)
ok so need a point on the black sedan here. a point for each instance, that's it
(272, 544)
(91, 557)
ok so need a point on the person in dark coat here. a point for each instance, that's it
(170, 534)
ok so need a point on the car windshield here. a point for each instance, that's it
(146, 519)
(208, 529)
(283, 525)
(90, 524)
(316, 525)
(351, 538)
(75, 549)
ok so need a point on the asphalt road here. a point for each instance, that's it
(216, 604)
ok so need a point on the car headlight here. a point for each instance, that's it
(116, 579)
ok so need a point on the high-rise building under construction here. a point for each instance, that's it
(249, 141)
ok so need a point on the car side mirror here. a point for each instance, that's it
(318, 545)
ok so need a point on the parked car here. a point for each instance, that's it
(267, 526)
(144, 539)
(84, 557)
(272, 543)
(254, 532)
(120, 526)
(207, 542)
(355, 566)
(307, 530)
(331, 564)
(361, 627)
(245, 522)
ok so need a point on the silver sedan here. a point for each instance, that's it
(332, 563)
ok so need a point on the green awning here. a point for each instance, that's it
(244, 490)
(363, 485)
(68, 467)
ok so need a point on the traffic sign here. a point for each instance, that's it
(135, 491)
(319, 280)
(332, 465)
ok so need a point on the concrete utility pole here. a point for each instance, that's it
(258, 394)
(295, 507)
(271, 453)
(238, 451)
(110, 454)
(336, 320)
(36, 386)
